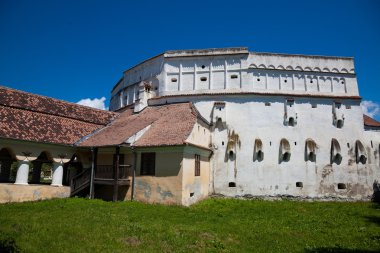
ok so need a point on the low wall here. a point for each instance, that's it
(20, 193)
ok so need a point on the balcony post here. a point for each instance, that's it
(116, 174)
(94, 153)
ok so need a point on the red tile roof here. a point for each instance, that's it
(368, 121)
(30, 117)
(169, 125)
(28, 101)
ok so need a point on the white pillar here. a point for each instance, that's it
(22, 173)
(57, 174)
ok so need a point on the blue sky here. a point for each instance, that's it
(78, 49)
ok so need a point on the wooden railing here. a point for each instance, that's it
(102, 173)
(107, 172)
(80, 181)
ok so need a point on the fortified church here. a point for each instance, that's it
(190, 123)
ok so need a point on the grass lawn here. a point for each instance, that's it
(214, 225)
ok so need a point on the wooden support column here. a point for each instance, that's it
(94, 152)
(116, 175)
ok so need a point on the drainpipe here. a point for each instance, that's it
(134, 172)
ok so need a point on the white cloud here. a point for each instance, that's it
(95, 103)
(370, 108)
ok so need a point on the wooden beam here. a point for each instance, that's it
(94, 152)
(116, 174)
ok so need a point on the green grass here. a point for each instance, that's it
(214, 225)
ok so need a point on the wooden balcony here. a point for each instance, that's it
(105, 174)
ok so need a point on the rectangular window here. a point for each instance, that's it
(197, 159)
(148, 164)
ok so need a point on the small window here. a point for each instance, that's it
(314, 106)
(285, 81)
(342, 186)
(339, 123)
(258, 79)
(203, 66)
(291, 121)
(203, 79)
(148, 163)
(348, 106)
(311, 81)
(234, 76)
(197, 159)
(267, 104)
(295, 143)
(338, 105)
(174, 80)
(222, 143)
(299, 184)
(348, 145)
(231, 184)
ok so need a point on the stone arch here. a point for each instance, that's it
(316, 69)
(289, 68)
(335, 152)
(343, 70)
(335, 70)
(299, 68)
(310, 150)
(360, 153)
(326, 70)
(284, 153)
(271, 67)
(253, 66)
(308, 69)
(280, 67)
(7, 157)
(262, 66)
(258, 153)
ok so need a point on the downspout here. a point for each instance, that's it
(134, 172)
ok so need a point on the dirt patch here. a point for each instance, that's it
(132, 241)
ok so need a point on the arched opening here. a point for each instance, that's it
(335, 153)
(41, 169)
(258, 153)
(285, 154)
(7, 171)
(361, 155)
(231, 155)
(310, 150)
(339, 123)
(291, 121)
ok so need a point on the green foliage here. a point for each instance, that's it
(213, 225)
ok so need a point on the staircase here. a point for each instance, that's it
(80, 182)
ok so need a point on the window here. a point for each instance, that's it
(174, 80)
(203, 79)
(148, 163)
(234, 76)
(197, 159)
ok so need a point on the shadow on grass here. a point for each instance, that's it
(8, 245)
(338, 250)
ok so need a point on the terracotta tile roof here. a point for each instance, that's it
(35, 126)
(169, 125)
(368, 121)
(31, 117)
(28, 101)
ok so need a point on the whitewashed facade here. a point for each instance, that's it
(281, 124)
